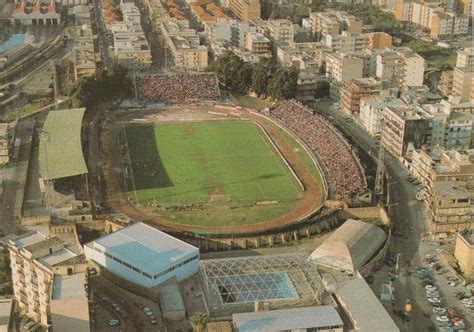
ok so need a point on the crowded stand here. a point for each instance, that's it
(321, 138)
(177, 88)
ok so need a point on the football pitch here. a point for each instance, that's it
(213, 163)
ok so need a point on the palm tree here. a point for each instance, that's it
(199, 321)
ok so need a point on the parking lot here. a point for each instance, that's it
(115, 309)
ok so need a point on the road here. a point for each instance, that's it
(14, 176)
(407, 215)
(104, 43)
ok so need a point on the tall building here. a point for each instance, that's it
(343, 67)
(353, 91)
(401, 65)
(371, 112)
(465, 58)
(281, 31)
(4, 139)
(464, 251)
(38, 264)
(245, 9)
(332, 22)
(463, 83)
(405, 129)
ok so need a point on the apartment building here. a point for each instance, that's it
(257, 43)
(465, 58)
(401, 65)
(445, 83)
(343, 67)
(452, 206)
(36, 262)
(333, 22)
(184, 44)
(352, 92)
(463, 83)
(372, 112)
(245, 9)
(281, 31)
(404, 129)
(84, 55)
(302, 55)
(4, 139)
(131, 48)
(440, 20)
(208, 13)
(466, 7)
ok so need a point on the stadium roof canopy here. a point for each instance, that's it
(350, 246)
(288, 319)
(60, 152)
(146, 248)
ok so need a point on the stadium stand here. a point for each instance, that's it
(177, 88)
(323, 140)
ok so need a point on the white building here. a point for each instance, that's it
(371, 112)
(144, 255)
(343, 67)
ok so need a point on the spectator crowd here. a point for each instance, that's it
(177, 88)
(322, 139)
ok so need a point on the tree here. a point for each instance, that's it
(262, 75)
(199, 321)
(283, 84)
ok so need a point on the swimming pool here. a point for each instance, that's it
(255, 287)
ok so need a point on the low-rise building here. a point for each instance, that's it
(144, 255)
(36, 260)
(464, 251)
(37, 13)
(465, 58)
(281, 31)
(320, 318)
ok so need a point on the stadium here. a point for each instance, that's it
(215, 169)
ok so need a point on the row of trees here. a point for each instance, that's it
(266, 78)
(105, 85)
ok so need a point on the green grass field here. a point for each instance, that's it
(221, 162)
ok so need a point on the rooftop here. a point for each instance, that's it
(366, 311)
(60, 152)
(69, 286)
(142, 244)
(287, 319)
(28, 239)
(171, 299)
(453, 190)
(350, 246)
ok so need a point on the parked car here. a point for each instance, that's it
(113, 322)
(434, 300)
(442, 318)
(147, 311)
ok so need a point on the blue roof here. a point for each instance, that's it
(14, 40)
(146, 248)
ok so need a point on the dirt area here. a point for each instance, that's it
(313, 196)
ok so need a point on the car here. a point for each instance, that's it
(428, 257)
(432, 294)
(147, 311)
(430, 287)
(153, 322)
(439, 310)
(113, 322)
(453, 283)
(151, 317)
(442, 318)
(467, 300)
(434, 300)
